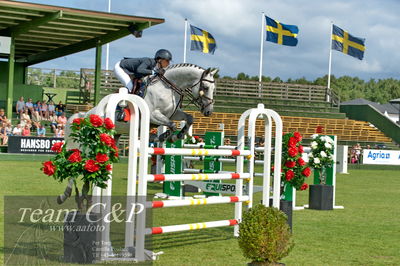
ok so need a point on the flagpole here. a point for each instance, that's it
(330, 58)
(108, 44)
(330, 65)
(261, 53)
(184, 43)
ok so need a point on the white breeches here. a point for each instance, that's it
(123, 76)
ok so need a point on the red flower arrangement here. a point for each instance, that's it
(92, 162)
(294, 168)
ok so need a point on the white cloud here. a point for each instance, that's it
(236, 26)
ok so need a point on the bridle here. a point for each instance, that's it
(197, 101)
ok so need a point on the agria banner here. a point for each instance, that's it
(387, 157)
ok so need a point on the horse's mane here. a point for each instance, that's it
(157, 79)
(183, 65)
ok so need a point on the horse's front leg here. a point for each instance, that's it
(159, 119)
(180, 115)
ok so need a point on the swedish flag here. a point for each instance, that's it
(342, 41)
(281, 33)
(202, 40)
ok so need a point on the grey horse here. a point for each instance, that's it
(164, 96)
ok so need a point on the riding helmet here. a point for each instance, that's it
(163, 54)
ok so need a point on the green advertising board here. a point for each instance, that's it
(213, 138)
(173, 165)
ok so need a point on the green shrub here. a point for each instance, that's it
(264, 235)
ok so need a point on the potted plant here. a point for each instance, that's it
(90, 163)
(264, 235)
(294, 171)
(321, 158)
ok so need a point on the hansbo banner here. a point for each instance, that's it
(36, 145)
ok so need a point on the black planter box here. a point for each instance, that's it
(321, 197)
(82, 238)
(287, 208)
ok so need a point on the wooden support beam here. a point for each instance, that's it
(97, 74)
(24, 27)
(80, 46)
(10, 80)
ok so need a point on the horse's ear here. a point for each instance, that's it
(207, 71)
(214, 71)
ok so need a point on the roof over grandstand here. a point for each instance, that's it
(387, 107)
(45, 32)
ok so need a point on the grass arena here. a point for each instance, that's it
(171, 160)
(355, 235)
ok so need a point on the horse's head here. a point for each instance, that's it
(205, 92)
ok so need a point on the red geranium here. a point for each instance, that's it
(109, 123)
(300, 149)
(306, 172)
(109, 167)
(301, 162)
(289, 175)
(77, 121)
(101, 158)
(292, 152)
(96, 120)
(91, 166)
(106, 139)
(49, 168)
(75, 157)
(298, 136)
(304, 186)
(290, 164)
(57, 147)
(292, 142)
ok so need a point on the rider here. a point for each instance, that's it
(131, 71)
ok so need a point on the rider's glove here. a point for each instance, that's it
(159, 71)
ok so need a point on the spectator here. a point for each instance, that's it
(227, 141)
(45, 111)
(60, 108)
(52, 108)
(6, 132)
(36, 121)
(3, 135)
(26, 131)
(25, 119)
(3, 117)
(59, 131)
(36, 112)
(53, 123)
(39, 109)
(20, 106)
(17, 130)
(29, 106)
(41, 131)
(62, 119)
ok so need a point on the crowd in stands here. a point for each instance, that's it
(33, 118)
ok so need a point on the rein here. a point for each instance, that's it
(188, 92)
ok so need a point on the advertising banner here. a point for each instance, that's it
(388, 157)
(32, 145)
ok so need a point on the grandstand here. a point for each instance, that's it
(302, 107)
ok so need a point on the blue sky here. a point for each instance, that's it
(235, 24)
